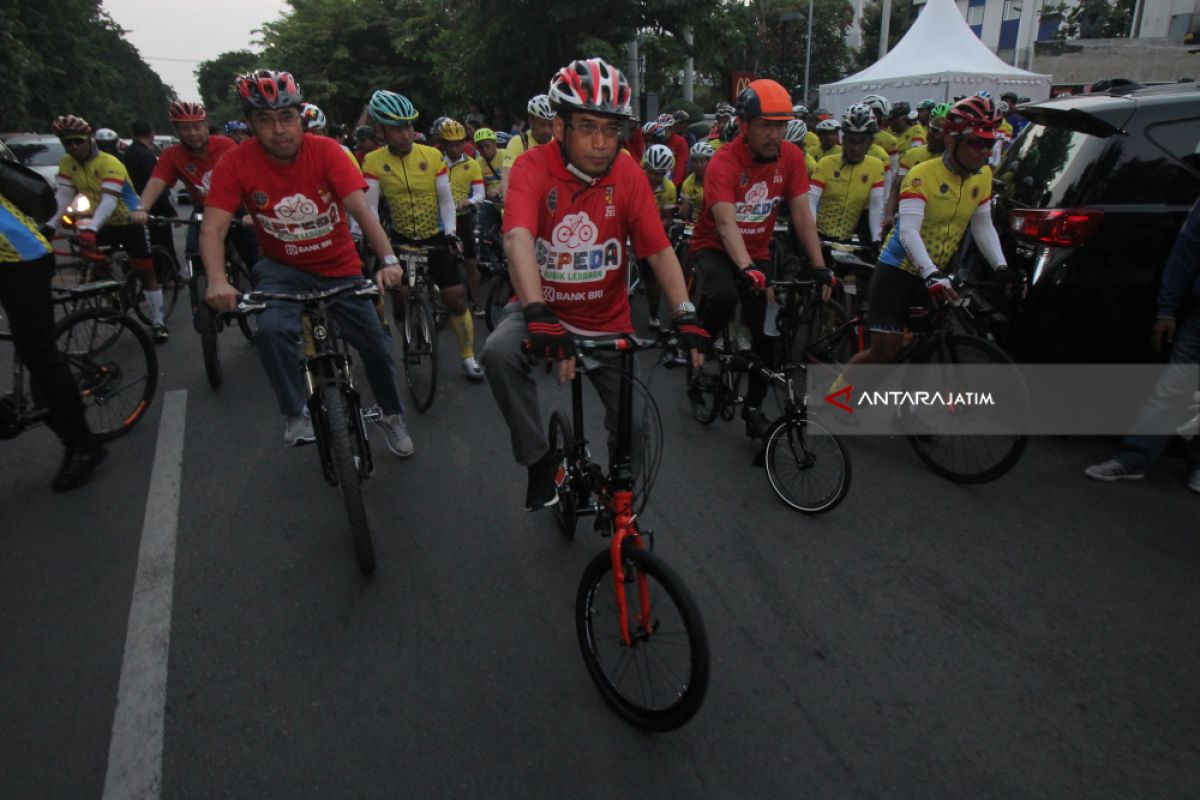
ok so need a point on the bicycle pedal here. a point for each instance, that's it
(372, 414)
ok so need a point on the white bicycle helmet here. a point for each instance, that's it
(800, 111)
(830, 124)
(702, 150)
(659, 158)
(539, 106)
(796, 131)
(106, 135)
(859, 119)
(877, 103)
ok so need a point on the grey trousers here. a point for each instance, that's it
(511, 375)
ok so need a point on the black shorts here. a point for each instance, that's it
(133, 239)
(893, 292)
(444, 267)
(466, 232)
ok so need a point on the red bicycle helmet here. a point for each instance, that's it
(268, 89)
(70, 125)
(764, 98)
(975, 115)
(594, 85)
(186, 111)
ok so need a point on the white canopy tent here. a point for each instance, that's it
(940, 57)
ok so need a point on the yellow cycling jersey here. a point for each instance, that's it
(491, 171)
(917, 155)
(875, 151)
(664, 194)
(517, 145)
(693, 190)
(819, 152)
(464, 174)
(949, 201)
(101, 174)
(887, 142)
(19, 236)
(913, 136)
(410, 185)
(810, 142)
(810, 164)
(845, 192)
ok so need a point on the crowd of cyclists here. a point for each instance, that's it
(587, 191)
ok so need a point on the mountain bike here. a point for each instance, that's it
(413, 310)
(116, 267)
(641, 635)
(338, 419)
(111, 357)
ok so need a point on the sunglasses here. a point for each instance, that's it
(74, 142)
(982, 145)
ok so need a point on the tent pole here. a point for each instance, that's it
(808, 51)
(885, 22)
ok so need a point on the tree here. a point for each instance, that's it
(215, 78)
(69, 57)
(902, 18)
(1091, 19)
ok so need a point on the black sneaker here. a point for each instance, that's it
(77, 466)
(542, 491)
(756, 422)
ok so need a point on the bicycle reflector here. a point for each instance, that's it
(1057, 227)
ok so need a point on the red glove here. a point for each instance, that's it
(754, 279)
(89, 248)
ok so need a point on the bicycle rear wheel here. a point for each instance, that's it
(807, 466)
(497, 299)
(114, 365)
(964, 458)
(166, 270)
(207, 325)
(562, 444)
(659, 680)
(420, 346)
(704, 393)
(339, 418)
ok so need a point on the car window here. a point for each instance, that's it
(1180, 138)
(46, 153)
(1050, 167)
(1152, 169)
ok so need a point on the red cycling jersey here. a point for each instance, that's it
(756, 190)
(580, 235)
(297, 207)
(178, 163)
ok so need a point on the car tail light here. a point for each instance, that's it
(1058, 227)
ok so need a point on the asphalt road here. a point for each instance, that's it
(1033, 637)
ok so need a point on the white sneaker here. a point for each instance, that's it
(1112, 470)
(298, 430)
(395, 433)
(655, 324)
(472, 368)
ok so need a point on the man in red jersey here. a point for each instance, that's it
(746, 183)
(571, 206)
(298, 188)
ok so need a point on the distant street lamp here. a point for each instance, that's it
(796, 16)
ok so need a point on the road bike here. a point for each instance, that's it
(339, 421)
(109, 354)
(639, 630)
(116, 267)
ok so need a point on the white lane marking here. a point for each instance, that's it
(135, 751)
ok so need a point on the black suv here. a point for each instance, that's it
(1088, 202)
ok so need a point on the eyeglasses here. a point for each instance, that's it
(589, 129)
(982, 145)
(283, 119)
(74, 142)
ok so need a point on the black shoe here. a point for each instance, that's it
(542, 491)
(159, 333)
(756, 422)
(77, 466)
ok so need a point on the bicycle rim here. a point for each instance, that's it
(338, 419)
(420, 351)
(562, 444)
(807, 466)
(658, 682)
(965, 458)
(703, 394)
(117, 379)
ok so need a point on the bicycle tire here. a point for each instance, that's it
(729, 393)
(420, 346)
(808, 467)
(117, 379)
(208, 329)
(497, 299)
(562, 444)
(334, 417)
(166, 271)
(703, 393)
(675, 626)
(967, 458)
(824, 320)
(242, 282)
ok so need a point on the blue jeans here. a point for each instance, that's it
(278, 336)
(1170, 400)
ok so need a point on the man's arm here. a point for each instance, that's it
(731, 236)
(154, 189)
(356, 204)
(669, 275)
(806, 229)
(522, 266)
(220, 295)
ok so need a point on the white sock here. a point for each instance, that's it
(154, 298)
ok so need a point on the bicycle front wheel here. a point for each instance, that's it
(562, 444)
(807, 466)
(964, 458)
(338, 420)
(420, 350)
(704, 394)
(657, 682)
(114, 365)
(205, 321)
(166, 270)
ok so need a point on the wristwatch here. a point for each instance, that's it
(390, 261)
(685, 307)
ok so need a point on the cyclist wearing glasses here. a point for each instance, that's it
(466, 187)
(414, 180)
(746, 183)
(540, 130)
(691, 194)
(103, 180)
(939, 198)
(849, 183)
(237, 130)
(298, 188)
(568, 215)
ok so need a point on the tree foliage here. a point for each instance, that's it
(1091, 19)
(215, 79)
(69, 57)
(902, 17)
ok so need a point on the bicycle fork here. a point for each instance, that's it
(623, 529)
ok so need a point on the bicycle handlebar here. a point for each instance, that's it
(256, 302)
